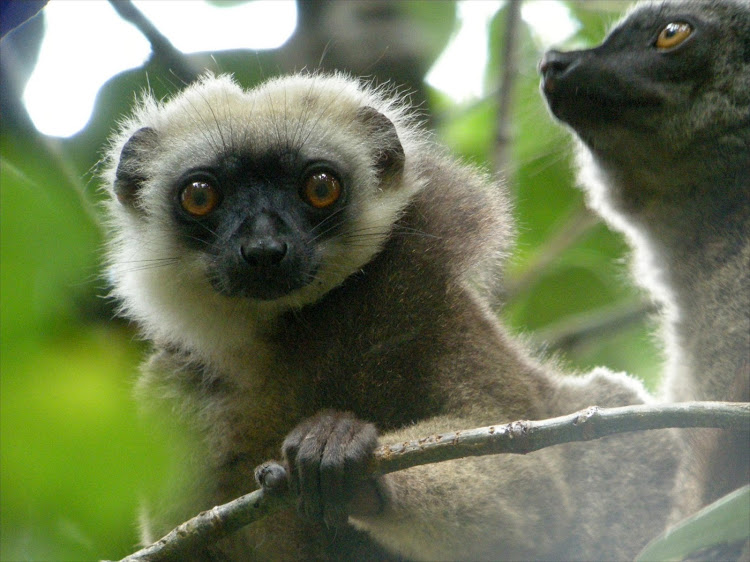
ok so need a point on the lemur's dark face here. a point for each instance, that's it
(651, 59)
(271, 196)
(657, 76)
(261, 219)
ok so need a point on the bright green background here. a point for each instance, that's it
(74, 456)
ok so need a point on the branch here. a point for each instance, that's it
(503, 132)
(569, 232)
(519, 437)
(522, 437)
(15, 14)
(161, 48)
(577, 330)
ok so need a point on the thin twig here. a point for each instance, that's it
(163, 50)
(504, 127)
(577, 330)
(519, 437)
(522, 437)
(570, 230)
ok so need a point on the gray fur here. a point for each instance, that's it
(396, 330)
(665, 158)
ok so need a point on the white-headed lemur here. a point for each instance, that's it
(315, 275)
(662, 110)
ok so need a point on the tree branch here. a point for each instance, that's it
(15, 14)
(161, 48)
(580, 329)
(519, 437)
(579, 223)
(522, 437)
(509, 72)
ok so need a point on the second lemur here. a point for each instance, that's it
(662, 109)
(314, 274)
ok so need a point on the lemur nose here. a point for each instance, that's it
(263, 244)
(552, 66)
(263, 252)
(554, 62)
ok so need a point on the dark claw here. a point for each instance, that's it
(271, 476)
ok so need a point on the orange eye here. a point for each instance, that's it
(199, 198)
(321, 190)
(673, 34)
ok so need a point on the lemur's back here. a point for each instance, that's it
(662, 110)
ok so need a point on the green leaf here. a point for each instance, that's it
(725, 521)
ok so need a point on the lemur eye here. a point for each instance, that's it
(199, 198)
(321, 190)
(673, 34)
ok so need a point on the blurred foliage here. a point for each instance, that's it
(717, 532)
(75, 455)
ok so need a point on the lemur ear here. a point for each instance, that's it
(129, 175)
(390, 154)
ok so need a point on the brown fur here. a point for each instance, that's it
(666, 159)
(407, 342)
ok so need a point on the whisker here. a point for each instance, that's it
(148, 266)
(152, 260)
(328, 218)
(219, 127)
(321, 113)
(398, 229)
